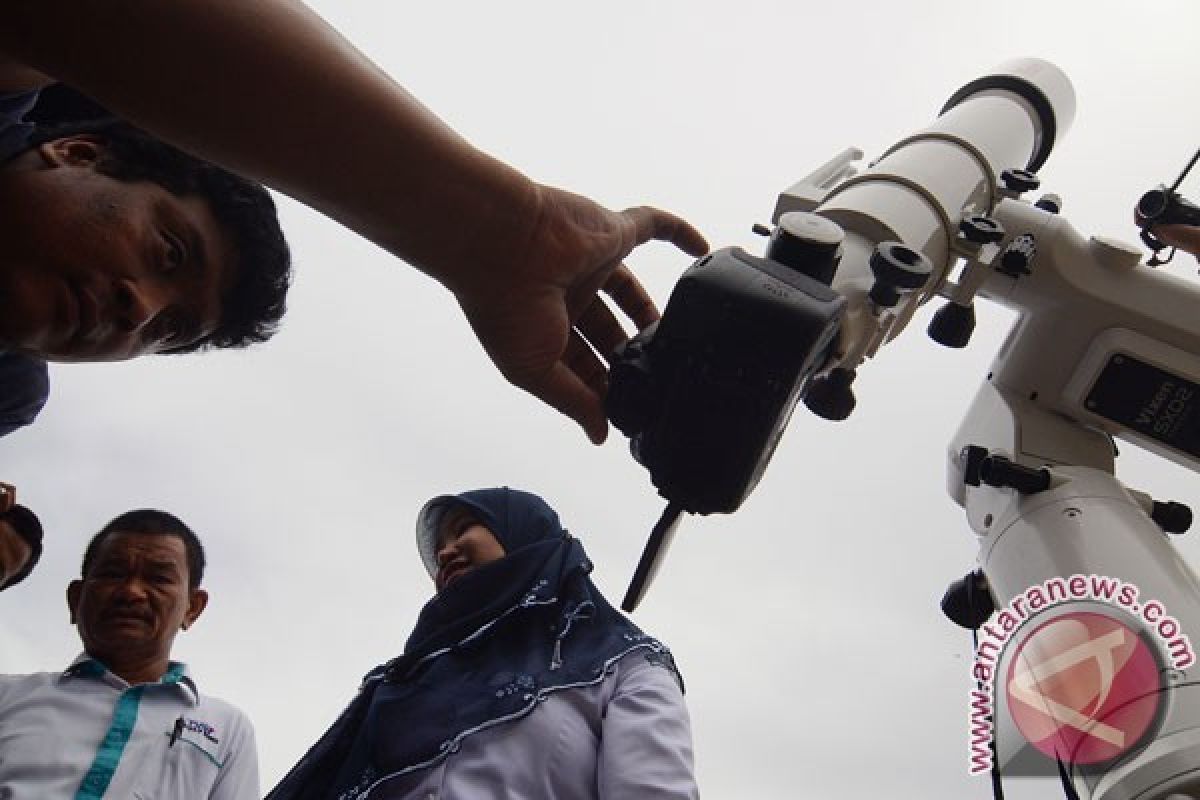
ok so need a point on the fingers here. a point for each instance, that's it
(583, 362)
(631, 297)
(652, 223)
(566, 388)
(1185, 237)
(601, 329)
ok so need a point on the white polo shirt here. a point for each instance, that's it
(85, 733)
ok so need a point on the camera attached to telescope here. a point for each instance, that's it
(705, 393)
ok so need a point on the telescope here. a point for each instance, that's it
(1084, 611)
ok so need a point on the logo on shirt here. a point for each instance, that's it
(202, 728)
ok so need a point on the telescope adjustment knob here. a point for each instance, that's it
(953, 325)
(898, 270)
(808, 243)
(1172, 517)
(980, 229)
(831, 397)
(1018, 256)
(968, 601)
(1020, 180)
(998, 471)
(1050, 203)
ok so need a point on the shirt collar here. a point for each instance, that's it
(84, 666)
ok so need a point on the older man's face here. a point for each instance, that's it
(15, 553)
(135, 598)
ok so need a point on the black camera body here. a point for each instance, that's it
(705, 393)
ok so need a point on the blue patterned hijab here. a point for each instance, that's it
(483, 652)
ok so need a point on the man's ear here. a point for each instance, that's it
(77, 150)
(197, 602)
(74, 591)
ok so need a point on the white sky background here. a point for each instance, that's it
(807, 627)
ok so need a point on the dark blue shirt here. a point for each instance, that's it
(24, 387)
(24, 384)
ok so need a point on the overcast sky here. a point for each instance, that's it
(806, 625)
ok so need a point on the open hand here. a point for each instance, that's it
(540, 316)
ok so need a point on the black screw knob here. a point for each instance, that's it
(953, 325)
(1050, 203)
(898, 269)
(1000, 472)
(1018, 256)
(1172, 517)
(831, 397)
(1020, 180)
(968, 601)
(980, 229)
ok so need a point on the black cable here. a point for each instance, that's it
(1186, 170)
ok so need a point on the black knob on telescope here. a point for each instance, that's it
(1050, 203)
(831, 397)
(807, 243)
(968, 601)
(1020, 180)
(998, 471)
(980, 229)
(953, 325)
(1018, 256)
(898, 269)
(1172, 517)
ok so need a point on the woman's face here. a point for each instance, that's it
(463, 544)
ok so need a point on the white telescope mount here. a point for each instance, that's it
(1103, 346)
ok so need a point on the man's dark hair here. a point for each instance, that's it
(152, 522)
(255, 301)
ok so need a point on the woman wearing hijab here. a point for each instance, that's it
(519, 680)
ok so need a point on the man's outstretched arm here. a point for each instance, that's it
(225, 79)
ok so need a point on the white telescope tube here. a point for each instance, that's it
(917, 192)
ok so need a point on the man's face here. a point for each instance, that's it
(135, 598)
(14, 553)
(96, 269)
(463, 544)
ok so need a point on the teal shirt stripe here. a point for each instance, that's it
(108, 756)
(95, 783)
